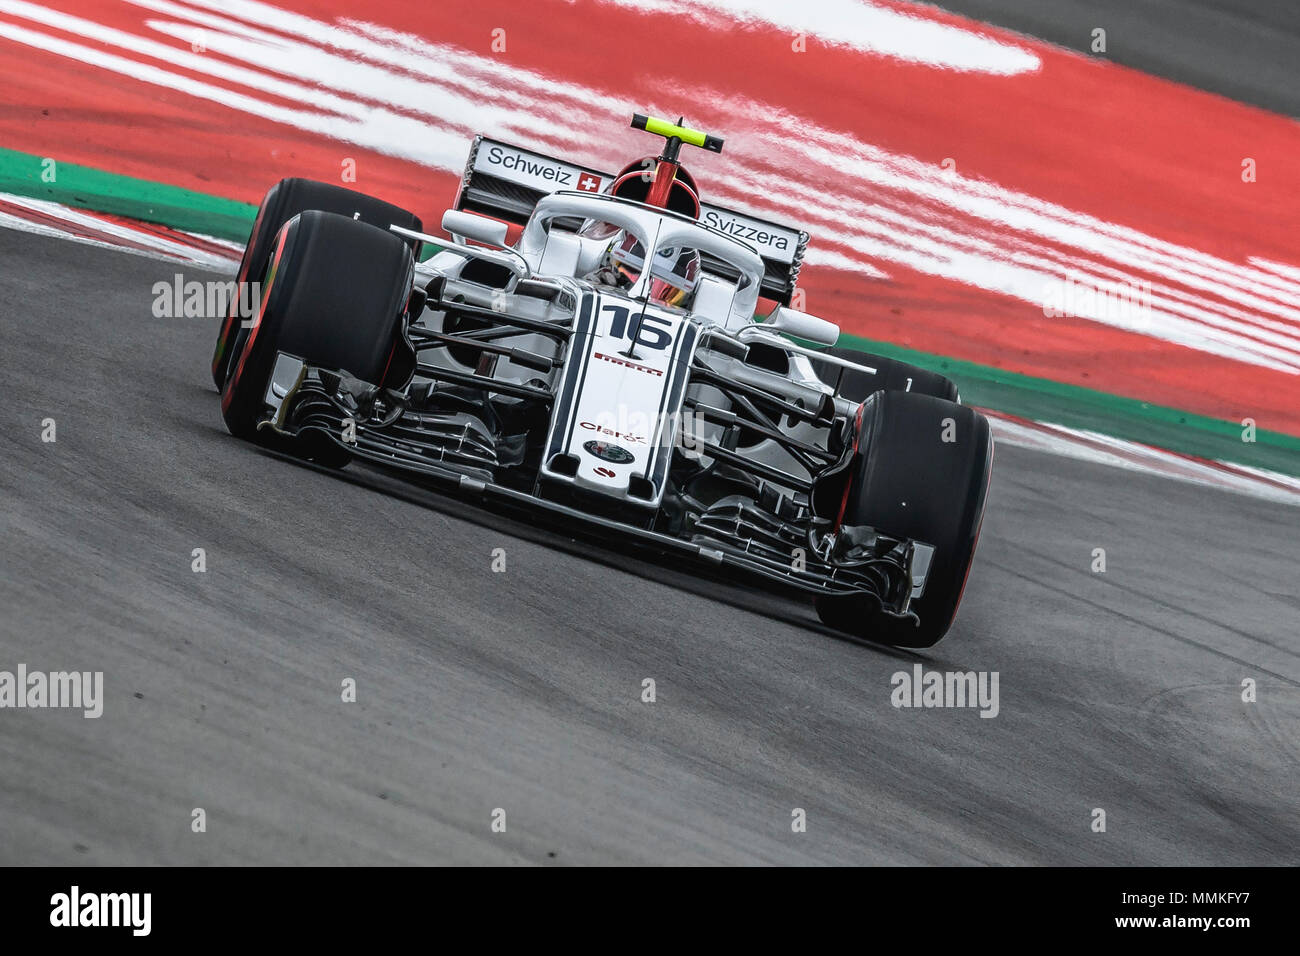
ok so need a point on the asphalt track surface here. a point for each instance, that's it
(522, 690)
(1246, 50)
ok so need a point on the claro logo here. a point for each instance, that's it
(609, 432)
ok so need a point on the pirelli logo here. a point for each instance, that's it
(618, 360)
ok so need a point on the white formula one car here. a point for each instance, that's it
(590, 346)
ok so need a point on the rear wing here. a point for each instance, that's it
(507, 181)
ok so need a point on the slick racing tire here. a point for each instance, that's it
(284, 201)
(891, 375)
(334, 295)
(921, 471)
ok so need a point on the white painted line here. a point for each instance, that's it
(115, 235)
(862, 26)
(1118, 453)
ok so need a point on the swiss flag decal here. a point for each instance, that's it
(589, 183)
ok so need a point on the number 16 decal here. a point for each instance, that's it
(655, 332)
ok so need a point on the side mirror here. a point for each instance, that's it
(801, 325)
(472, 226)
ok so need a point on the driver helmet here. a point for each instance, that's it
(674, 275)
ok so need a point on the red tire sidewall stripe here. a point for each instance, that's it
(274, 271)
(848, 485)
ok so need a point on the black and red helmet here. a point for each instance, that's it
(634, 180)
(674, 274)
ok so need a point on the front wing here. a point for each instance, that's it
(380, 427)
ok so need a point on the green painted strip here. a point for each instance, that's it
(1038, 399)
(1073, 406)
(85, 188)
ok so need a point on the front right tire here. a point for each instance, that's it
(334, 295)
(282, 202)
(921, 471)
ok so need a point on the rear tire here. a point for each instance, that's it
(891, 375)
(335, 293)
(285, 200)
(909, 482)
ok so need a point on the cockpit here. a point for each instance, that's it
(605, 239)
